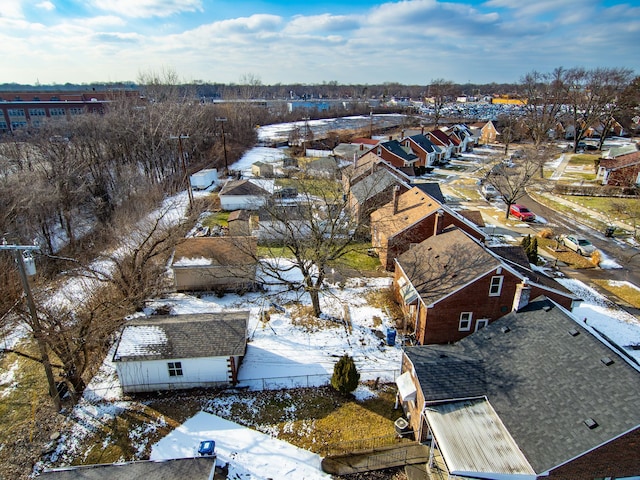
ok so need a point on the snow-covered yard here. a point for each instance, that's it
(284, 352)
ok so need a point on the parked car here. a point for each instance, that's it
(580, 245)
(489, 191)
(522, 213)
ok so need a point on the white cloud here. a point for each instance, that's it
(46, 5)
(148, 8)
(11, 9)
(329, 23)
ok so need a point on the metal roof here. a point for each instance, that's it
(472, 439)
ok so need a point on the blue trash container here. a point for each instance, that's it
(207, 448)
(391, 337)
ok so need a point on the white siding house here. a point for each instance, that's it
(181, 351)
(244, 195)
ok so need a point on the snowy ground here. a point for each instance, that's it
(279, 355)
(282, 354)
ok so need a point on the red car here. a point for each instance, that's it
(522, 213)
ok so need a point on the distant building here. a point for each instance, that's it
(22, 109)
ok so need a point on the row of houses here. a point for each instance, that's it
(502, 383)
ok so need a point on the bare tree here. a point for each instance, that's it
(440, 92)
(315, 233)
(511, 182)
(543, 103)
(588, 95)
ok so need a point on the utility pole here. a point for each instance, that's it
(20, 251)
(224, 144)
(371, 125)
(184, 167)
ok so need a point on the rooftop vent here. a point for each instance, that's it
(573, 332)
(546, 308)
(505, 329)
(607, 361)
(590, 423)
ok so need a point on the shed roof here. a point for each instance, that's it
(242, 187)
(473, 439)
(196, 335)
(215, 251)
(199, 468)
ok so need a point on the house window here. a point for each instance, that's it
(465, 321)
(175, 369)
(496, 286)
(481, 323)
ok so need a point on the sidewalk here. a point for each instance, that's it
(583, 210)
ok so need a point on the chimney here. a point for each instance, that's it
(437, 228)
(396, 198)
(362, 146)
(522, 295)
(422, 131)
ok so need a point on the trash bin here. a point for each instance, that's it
(609, 231)
(207, 448)
(391, 337)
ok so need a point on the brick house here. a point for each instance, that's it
(488, 133)
(451, 285)
(621, 171)
(397, 154)
(426, 151)
(441, 139)
(409, 218)
(534, 395)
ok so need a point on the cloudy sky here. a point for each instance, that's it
(311, 41)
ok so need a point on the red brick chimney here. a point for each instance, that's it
(396, 198)
(438, 225)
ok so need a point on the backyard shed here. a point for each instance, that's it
(169, 352)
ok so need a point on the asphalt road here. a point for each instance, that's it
(628, 257)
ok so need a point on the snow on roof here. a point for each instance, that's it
(141, 340)
(251, 454)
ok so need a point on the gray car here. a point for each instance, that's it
(580, 245)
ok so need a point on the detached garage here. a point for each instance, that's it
(181, 351)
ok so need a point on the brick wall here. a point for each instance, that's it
(618, 458)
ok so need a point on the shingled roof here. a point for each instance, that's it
(545, 376)
(196, 335)
(198, 468)
(442, 264)
(242, 187)
(395, 147)
(620, 161)
(216, 251)
(413, 205)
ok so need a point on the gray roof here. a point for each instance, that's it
(195, 335)
(242, 187)
(544, 381)
(432, 189)
(447, 375)
(373, 184)
(443, 263)
(423, 142)
(397, 149)
(199, 468)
